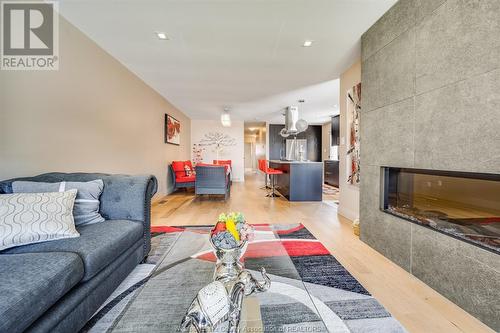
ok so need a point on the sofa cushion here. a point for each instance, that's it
(186, 179)
(178, 166)
(180, 169)
(31, 283)
(99, 244)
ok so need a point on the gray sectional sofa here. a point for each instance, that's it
(57, 286)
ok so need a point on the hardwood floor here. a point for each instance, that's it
(418, 307)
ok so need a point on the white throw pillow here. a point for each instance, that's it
(27, 218)
(86, 209)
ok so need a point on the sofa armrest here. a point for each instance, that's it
(129, 198)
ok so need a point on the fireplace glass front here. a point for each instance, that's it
(462, 205)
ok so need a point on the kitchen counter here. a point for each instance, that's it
(300, 181)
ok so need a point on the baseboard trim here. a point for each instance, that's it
(347, 213)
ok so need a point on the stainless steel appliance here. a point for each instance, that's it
(296, 149)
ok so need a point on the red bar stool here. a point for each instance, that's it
(272, 174)
(262, 168)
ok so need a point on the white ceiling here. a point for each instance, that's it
(244, 54)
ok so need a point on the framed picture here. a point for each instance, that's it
(172, 130)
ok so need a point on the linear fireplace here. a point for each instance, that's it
(460, 204)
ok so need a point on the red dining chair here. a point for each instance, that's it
(223, 162)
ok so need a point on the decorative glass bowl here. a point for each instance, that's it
(228, 264)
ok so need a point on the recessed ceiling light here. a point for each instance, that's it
(308, 43)
(161, 35)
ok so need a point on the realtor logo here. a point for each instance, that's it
(29, 35)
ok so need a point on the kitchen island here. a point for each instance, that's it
(300, 181)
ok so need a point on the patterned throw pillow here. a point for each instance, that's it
(189, 171)
(86, 210)
(27, 218)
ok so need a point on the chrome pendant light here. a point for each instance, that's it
(225, 118)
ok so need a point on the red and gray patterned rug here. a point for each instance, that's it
(310, 289)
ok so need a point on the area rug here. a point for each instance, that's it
(314, 293)
(330, 190)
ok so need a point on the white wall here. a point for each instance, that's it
(235, 153)
(92, 115)
(349, 194)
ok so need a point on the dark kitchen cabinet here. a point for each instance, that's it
(277, 144)
(332, 172)
(335, 130)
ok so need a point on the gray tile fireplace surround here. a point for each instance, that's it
(431, 100)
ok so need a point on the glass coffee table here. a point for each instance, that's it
(301, 297)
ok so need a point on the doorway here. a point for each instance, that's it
(331, 163)
(255, 145)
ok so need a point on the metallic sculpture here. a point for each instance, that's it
(246, 285)
(206, 314)
(196, 318)
(228, 264)
(210, 307)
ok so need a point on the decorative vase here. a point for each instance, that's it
(355, 227)
(228, 264)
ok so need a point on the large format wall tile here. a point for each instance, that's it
(467, 280)
(393, 23)
(431, 100)
(458, 127)
(370, 79)
(369, 200)
(426, 7)
(486, 257)
(388, 76)
(376, 226)
(375, 232)
(460, 39)
(386, 135)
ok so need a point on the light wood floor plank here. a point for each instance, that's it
(418, 307)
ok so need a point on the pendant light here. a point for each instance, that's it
(225, 118)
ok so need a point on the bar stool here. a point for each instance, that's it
(262, 168)
(272, 174)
